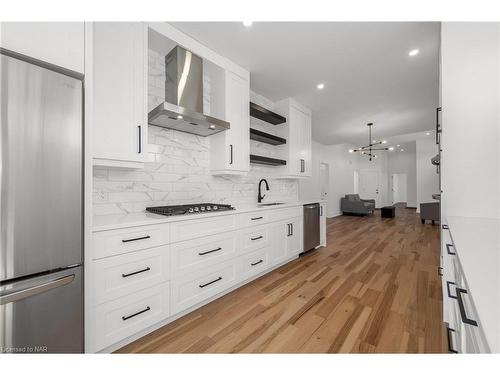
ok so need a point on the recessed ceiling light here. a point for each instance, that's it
(413, 52)
(402, 149)
(398, 145)
(428, 133)
(391, 148)
(384, 141)
(179, 117)
(247, 23)
(211, 127)
(320, 86)
(351, 150)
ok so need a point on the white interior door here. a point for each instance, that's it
(324, 178)
(369, 185)
(398, 188)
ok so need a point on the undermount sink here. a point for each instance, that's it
(269, 204)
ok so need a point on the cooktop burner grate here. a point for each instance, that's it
(186, 209)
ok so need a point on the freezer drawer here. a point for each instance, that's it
(43, 314)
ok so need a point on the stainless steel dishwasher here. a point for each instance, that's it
(311, 226)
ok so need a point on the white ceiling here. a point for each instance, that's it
(365, 67)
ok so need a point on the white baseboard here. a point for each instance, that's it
(335, 214)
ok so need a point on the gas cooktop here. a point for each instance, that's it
(187, 209)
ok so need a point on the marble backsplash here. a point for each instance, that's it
(178, 169)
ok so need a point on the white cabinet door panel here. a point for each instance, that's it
(119, 91)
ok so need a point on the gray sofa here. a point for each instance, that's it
(353, 204)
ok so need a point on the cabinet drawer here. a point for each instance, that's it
(195, 287)
(189, 229)
(120, 241)
(124, 274)
(126, 316)
(253, 218)
(202, 252)
(253, 263)
(286, 213)
(254, 238)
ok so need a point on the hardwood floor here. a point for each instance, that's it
(374, 289)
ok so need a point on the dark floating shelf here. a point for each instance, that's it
(257, 159)
(265, 115)
(257, 135)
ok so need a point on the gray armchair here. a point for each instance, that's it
(353, 204)
(429, 211)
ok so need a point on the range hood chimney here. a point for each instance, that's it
(183, 106)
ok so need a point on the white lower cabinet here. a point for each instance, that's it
(147, 274)
(465, 334)
(254, 238)
(254, 263)
(123, 317)
(194, 287)
(322, 224)
(202, 252)
(119, 276)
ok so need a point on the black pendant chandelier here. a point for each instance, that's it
(369, 150)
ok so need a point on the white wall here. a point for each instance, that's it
(427, 178)
(405, 162)
(470, 58)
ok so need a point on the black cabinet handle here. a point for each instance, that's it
(210, 282)
(445, 226)
(136, 272)
(288, 230)
(450, 346)
(231, 154)
(256, 218)
(320, 210)
(461, 307)
(448, 245)
(440, 271)
(438, 125)
(137, 239)
(210, 251)
(256, 238)
(254, 264)
(448, 284)
(137, 313)
(140, 139)
(291, 229)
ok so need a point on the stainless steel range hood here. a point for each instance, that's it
(183, 106)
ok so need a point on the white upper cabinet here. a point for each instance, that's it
(58, 43)
(230, 149)
(297, 132)
(119, 88)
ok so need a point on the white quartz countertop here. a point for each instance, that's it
(108, 222)
(477, 243)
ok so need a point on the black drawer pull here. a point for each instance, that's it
(440, 271)
(461, 307)
(289, 231)
(137, 239)
(256, 218)
(450, 346)
(136, 272)
(137, 313)
(448, 245)
(210, 282)
(210, 251)
(445, 226)
(256, 238)
(448, 283)
(254, 264)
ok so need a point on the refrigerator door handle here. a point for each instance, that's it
(31, 291)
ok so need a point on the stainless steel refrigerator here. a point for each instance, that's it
(41, 267)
